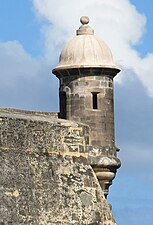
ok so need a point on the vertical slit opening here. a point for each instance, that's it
(95, 100)
(63, 105)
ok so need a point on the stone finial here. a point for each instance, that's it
(84, 20)
(85, 29)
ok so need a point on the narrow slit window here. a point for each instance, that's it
(95, 100)
(63, 105)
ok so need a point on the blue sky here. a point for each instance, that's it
(145, 7)
(32, 33)
(18, 22)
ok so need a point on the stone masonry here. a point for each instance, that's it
(45, 175)
(79, 91)
(85, 72)
(56, 168)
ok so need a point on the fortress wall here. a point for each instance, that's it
(45, 178)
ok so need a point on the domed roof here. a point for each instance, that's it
(85, 51)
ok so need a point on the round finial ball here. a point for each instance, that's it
(84, 20)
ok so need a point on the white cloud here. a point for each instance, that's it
(25, 82)
(15, 59)
(116, 21)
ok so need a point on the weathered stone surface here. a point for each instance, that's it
(45, 177)
(56, 171)
(86, 71)
(79, 106)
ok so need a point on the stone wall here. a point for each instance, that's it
(89, 100)
(45, 178)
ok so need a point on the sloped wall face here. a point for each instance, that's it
(45, 177)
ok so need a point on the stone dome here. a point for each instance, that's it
(85, 50)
